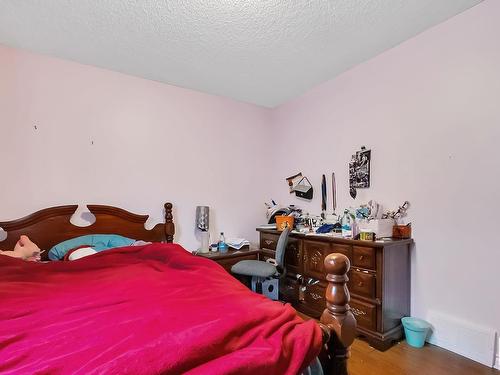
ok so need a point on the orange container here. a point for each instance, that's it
(283, 222)
(401, 231)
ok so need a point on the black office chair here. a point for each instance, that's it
(265, 272)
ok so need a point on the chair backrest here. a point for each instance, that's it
(281, 247)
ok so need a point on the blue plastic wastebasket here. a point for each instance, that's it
(416, 331)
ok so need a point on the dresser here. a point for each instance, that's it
(379, 280)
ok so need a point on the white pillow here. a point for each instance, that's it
(81, 253)
(141, 243)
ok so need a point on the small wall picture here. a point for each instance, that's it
(359, 169)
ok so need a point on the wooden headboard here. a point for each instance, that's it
(50, 226)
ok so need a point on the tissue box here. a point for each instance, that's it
(381, 227)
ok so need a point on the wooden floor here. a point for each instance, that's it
(402, 359)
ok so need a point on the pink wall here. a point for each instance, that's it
(429, 110)
(152, 143)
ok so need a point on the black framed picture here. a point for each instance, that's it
(359, 169)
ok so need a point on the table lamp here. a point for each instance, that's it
(202, 224)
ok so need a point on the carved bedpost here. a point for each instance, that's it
(169, 223)
(337, 315)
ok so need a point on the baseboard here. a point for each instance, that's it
(469, 340)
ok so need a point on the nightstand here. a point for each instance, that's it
(231, 257)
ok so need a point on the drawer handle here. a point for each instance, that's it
(360, 283)
(357, 312)
(268, 242)
(361, 257)
(315, 296)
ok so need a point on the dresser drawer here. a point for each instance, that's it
(342, 249)
(293, 256)
(268, 241)
(314, 296)
(364, 257)
(266, 254)
(365, 313)
(314, 257)
(362, 283)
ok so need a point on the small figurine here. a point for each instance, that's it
(397, 214)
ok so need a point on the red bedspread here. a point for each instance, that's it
(144, 310)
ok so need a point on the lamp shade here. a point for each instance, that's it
(202, 218)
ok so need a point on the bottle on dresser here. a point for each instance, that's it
(347, 223)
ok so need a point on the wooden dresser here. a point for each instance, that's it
(379, 280)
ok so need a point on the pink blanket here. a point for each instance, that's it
(144, 310)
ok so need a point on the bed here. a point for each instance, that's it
(153, 308)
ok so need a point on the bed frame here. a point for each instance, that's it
(51, 226)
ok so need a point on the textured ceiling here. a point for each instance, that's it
(263, 52)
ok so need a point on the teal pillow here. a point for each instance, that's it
(98, 242)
